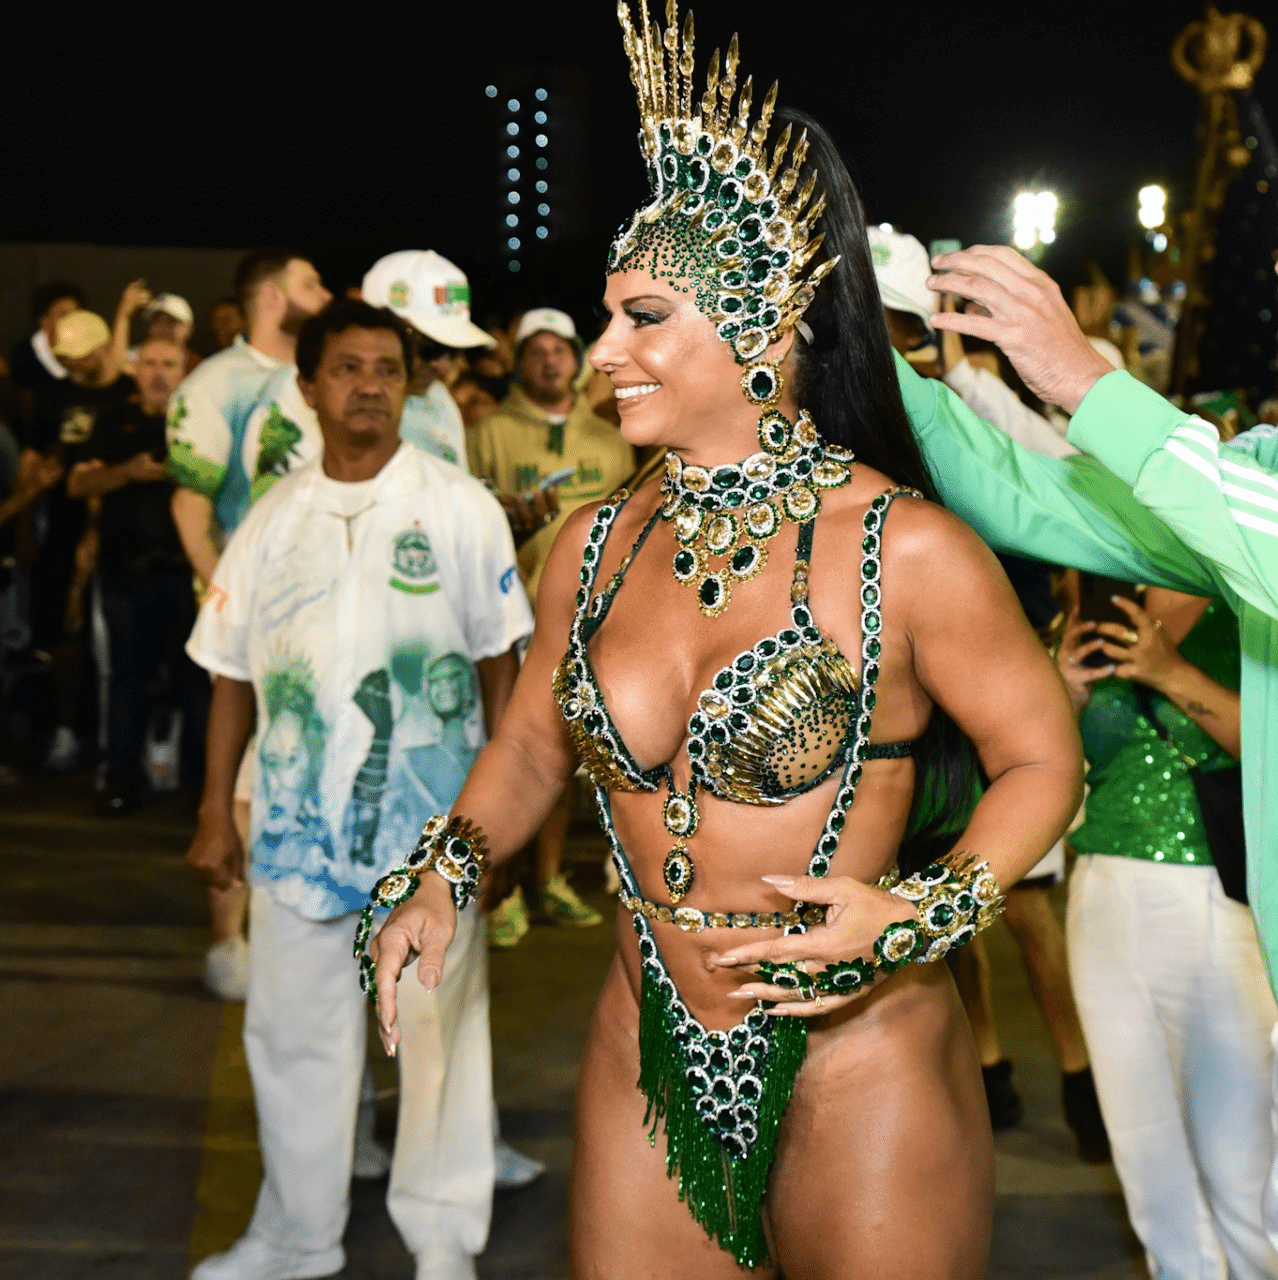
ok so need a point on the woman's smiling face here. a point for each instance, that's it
(677, 383)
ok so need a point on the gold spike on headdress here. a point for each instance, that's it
(723, 214)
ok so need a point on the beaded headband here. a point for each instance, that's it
(722, 214)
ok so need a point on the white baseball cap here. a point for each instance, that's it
(170, 304)
(546, 320)
(428, 291)
(902, 267)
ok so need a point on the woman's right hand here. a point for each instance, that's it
(420, 929)
(1073, 649)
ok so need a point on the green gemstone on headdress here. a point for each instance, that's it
(758, 271)
(730, 195)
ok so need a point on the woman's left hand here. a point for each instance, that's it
(856, 915)
(1142, 651)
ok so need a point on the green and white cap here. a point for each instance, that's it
(901, 266)
(424, 288)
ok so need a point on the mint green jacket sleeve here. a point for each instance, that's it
(1069, 511)
(1222, 499)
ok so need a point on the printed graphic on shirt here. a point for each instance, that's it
(293, 838)
(276, 449)
(423, 713)
(590, 471)
(280, 433)
(77, 424)
(187, 468)
(413, 563)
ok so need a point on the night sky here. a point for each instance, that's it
(358, 129)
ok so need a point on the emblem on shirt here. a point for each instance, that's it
(413, 562)
(77, 425)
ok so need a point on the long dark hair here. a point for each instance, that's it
(846, 378)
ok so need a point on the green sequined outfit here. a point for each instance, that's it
(1142, 802)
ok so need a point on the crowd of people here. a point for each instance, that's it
(298, 575)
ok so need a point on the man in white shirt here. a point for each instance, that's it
(237, 423)
(433, 297)
(367, 610)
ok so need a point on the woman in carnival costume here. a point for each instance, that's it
(766, 714)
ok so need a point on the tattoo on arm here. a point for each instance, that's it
(1198, 709)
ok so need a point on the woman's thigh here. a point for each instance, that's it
(885, 1164)
(887, 1132)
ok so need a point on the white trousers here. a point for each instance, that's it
(304, 1035)
(1178, 1014)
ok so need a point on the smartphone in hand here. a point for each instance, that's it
(1095, 604)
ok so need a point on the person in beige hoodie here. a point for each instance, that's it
(543, 428)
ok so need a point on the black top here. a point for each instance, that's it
(63, 421)
(135, 524)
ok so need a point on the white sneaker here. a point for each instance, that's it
(64, 750)
(513, 1168)
(252, 1259)
(445, 1259)
(226, 968)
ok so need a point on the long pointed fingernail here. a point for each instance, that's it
(742, 994)
(430, 979)
(782, 882)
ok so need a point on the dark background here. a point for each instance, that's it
(353, 130)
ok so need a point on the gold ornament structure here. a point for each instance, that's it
(1210, 56)
(725, 215)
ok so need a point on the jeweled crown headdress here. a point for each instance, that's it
(723, 213)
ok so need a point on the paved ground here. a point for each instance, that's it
(126, 1119)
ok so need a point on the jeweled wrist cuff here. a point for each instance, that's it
(456, 848)
(955, 900)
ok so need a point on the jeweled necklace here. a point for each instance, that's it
(731, 513)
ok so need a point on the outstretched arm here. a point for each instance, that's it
(1222, 500)
(1062, 510)
(510, 790)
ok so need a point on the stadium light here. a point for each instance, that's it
(1034, 219)
(1152, 207)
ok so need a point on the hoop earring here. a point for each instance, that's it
(762, 383)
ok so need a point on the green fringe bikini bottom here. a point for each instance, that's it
(720, 1095)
